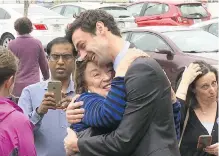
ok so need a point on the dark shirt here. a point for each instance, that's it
(192, 132)
(31, 57)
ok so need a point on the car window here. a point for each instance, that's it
(193, 11)
(70, 11)
(125, 35)
(213, 29)
(117, 12)
(7, 16)
(35, 10)
(57, 9)
(4, 14)
(187, 40)
(155, 9)
(148, 42)
(135, 9)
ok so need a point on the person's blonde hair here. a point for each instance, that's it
(8, 64)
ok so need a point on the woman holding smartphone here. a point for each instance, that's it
(198, 94)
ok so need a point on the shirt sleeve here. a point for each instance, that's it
(25, 103)
(43, 63)
(105, 112)
(177, 117)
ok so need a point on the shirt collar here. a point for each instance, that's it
(70, 88)
(24, 36)
(121, 55)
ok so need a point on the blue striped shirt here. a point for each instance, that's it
(103, 112)
(108, 112)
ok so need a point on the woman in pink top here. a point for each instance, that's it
(16, 132)
(31, 56)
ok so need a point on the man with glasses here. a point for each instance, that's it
(39, 105)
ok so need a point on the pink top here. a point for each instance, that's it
(16, 131)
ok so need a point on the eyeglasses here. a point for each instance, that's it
(65, 57)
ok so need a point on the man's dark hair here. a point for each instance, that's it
(23, 26)
(58, 40)
(87, 22)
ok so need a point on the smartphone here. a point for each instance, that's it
(56, 88)
(204, 141)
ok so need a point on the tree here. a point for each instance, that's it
(26, 6)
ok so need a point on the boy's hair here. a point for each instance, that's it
(8, 64)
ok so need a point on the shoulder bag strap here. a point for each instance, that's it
(184, 126)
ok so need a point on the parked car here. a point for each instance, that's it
(163, 12)
(123, 17)
(210, 26)
(174, 47)
(47, 24)
(46, 4)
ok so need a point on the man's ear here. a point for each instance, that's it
(100, 28)
(9, 82)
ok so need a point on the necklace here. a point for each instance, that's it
(203, 112)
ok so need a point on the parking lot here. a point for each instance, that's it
(174, 33)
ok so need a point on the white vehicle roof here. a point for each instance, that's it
(205, 23)
(16, 10)
(88, 5)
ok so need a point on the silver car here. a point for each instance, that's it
(123, 17)
(210, 26)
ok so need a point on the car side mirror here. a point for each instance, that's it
(168, 52)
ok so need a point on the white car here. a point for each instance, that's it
(210, 26)
(122, 16)
(47, 24)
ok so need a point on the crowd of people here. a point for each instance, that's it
(116, 99)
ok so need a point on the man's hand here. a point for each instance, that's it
(131, 55)
(64, 102)
(213, 149)
(74, 113)
(47, 103)
(71, 142)
(173, 96)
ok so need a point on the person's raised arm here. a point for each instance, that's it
(36, 115)
(188, 77)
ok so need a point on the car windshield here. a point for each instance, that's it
(117, 12)
(193, 11)
(194, 40)
(36, 11)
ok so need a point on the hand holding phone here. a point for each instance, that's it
(55, 87)
(65, 101)
(47, 103)
(204, 141)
